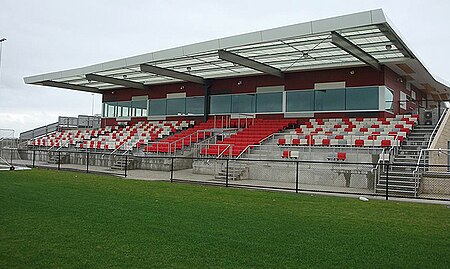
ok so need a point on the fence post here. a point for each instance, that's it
(171, 169)
(59, 160)
(387, 181)
(34, 157)
(226, 176)
(11, 151)
(126, 164)
(296, 177)
(87, 161)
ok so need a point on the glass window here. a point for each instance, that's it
(299, 101)
(329, 100)
(362, 98)
(158, 107)
(110, 110)
(195, 105)
(389, 100)
(269, 102)
(139, 108)
(176, 106)
(243, 103)
(220, 104)
(124, 109)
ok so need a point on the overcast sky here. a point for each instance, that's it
(45, 36)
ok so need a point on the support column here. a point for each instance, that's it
(206, 87)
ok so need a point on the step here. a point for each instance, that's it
(398, 179)
(396, 192)
(224, 177)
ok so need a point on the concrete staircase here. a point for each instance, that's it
(235, 171)
(53, 157)
(401, 178)
(122, 162)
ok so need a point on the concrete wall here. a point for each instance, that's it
(441, 142)
(332, 174)
(106, 160)
(436, 185)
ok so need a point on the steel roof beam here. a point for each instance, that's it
(171, 73)
(249, 63)
(116, 81)
(390, 34)
(347, 46)
(70, 86)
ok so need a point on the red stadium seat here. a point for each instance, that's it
(385, 143)
(341, 156)
(359, 142)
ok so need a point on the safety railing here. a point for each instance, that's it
(436, 128)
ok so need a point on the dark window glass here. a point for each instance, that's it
(158, 107)
(329, 100)
(362, 98)
(299, 101)
(269, 102)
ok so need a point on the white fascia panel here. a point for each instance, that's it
(342, 22)
(378, 16)
(114, 64)
(287, 32)
(140, 59)
(168, 54)
(240, 40)
(211, 45)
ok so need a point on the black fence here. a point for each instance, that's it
(423, 181)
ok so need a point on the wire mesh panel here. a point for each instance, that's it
(150, 168)
(260, 173)
(339, 177)
(383, 178)
(202, 170)
(434, 182)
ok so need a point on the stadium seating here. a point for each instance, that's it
(358, 132)
(252, 135)
(112, 137)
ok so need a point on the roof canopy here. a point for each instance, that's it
(365, 38)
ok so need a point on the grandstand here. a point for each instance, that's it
(343, 89)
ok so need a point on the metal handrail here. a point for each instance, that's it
(118, 148)
(223, 151)
(436, 127)
(251, 146)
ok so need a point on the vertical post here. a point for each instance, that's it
(34, 157)
(296, 177)
(126, 164)
(226, 176)
(59, 160)
(171, 169)
(11, 152)
(387, 181)
(206, 100)
(87, 161)
(439, 110)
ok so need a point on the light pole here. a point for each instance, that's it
(1, 48)
(92, 111)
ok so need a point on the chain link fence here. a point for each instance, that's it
(422, 180)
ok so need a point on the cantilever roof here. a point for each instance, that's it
(371, 39)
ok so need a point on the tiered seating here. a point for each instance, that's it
(181, 139)
(112, 137)
(136, 135)
(65, 138)
(252, 135)
(358, 132)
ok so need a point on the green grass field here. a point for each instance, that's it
(55, 219)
